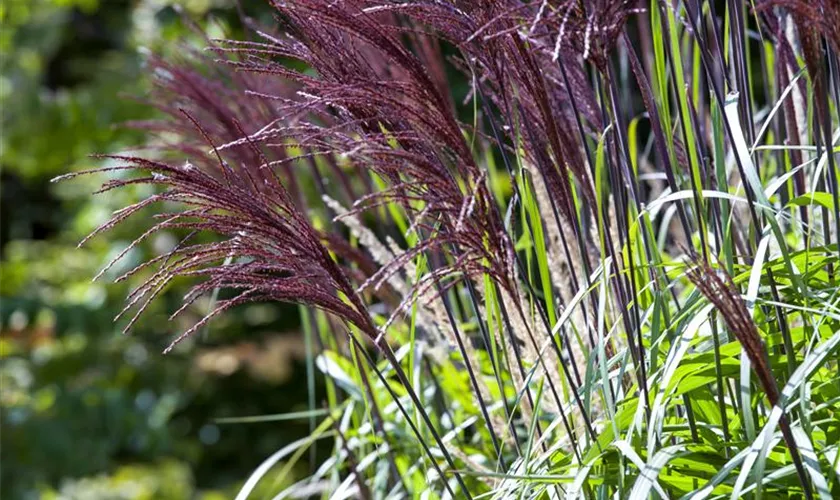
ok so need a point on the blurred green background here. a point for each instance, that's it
(88, 412)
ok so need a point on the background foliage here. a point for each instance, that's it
(86, 411)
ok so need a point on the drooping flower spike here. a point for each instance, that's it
(268, 249)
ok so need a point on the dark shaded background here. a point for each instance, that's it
(86, 411)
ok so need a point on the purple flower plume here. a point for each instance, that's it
(359, 87)
(268, 250)
(367, 100)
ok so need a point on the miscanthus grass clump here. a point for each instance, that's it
(543, 249)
